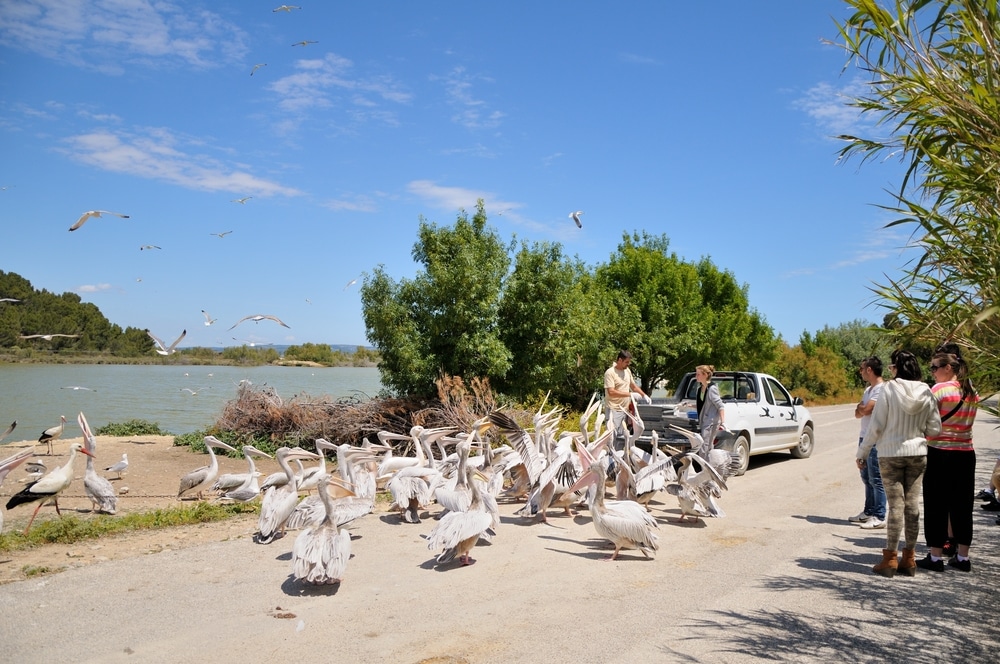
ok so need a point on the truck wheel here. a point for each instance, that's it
(741, 451)
(805, 446)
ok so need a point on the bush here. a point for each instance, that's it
(131, 428)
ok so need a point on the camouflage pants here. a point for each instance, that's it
(902, 478)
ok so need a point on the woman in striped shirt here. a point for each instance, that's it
(950, 479)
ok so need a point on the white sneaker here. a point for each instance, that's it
(860, 517)
(873, 522)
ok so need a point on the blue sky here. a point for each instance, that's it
(710, 123)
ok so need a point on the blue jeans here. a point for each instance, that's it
(874, 492)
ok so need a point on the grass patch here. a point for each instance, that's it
(131, 428)
(71, 529)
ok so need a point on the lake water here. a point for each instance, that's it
(181, 399)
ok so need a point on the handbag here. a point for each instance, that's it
(953, 410)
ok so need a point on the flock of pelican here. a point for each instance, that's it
(455, 477)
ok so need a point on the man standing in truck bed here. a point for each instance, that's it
(618, 388)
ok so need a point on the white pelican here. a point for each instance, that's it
(119, 467)
(48, 487)
(48, 337)
(98, 489)
(250, 488)
(413, 487)
(163, 349)
(10, 429)
(346, 506)
(259, 317)
(310, 477)
(624, 522)
(9, 464)
(230, 481)
(321, 552)
(257, 66)
(201, 478)
(208, 319)
(696, 492)
(53, 433)
(457, 532)
(279, 502)
(95, 214)
(575, 216)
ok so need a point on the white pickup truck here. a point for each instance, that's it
(761, 416)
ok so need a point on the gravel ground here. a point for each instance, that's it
(783, 577)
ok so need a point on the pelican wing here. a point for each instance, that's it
(320, 555)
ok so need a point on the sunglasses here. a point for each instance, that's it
(935, 367)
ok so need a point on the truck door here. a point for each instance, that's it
(779, 422)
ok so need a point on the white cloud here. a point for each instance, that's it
(635, 58)
(471, 112)
(93, 288)
(104, 34)
(158, 155)
(354, 204)
(453, 199)
(828, 107)
(316, 82)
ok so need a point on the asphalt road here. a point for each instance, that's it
(783, 577)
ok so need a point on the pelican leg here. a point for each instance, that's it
(55, 501)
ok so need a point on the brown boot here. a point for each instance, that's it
(888, 565)
(907, 563)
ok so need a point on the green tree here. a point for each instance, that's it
(310, 352)
(689, 314)
(853, 342)
(559, 324)
(935, 94)
(444, 320)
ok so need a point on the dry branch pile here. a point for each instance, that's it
(259, 412)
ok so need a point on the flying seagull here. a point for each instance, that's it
(256, 67)
(222, 234)
(351, 283)
(208, 319)
(259, 317)
(47, 337)
(8, 299)
(149, 246)
(9, 430)
(241, 201)
(94, 213)
(304, 43)
(575, 216)
(286, 8)
(165, 350)
(76, 387)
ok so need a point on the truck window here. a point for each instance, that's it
(781, 397)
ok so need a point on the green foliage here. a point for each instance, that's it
(42, 312)
(935, 95)
(444, 320)
(70, 529)
(309, 352)
(252, 356)
(688, 314)
(851, 342)
(131, 428)
(815, 376)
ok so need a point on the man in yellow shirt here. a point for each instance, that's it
(618, 388)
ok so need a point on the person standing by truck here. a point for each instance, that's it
(618, 388)
(711, 413)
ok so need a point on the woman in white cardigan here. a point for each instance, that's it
(904, 416)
